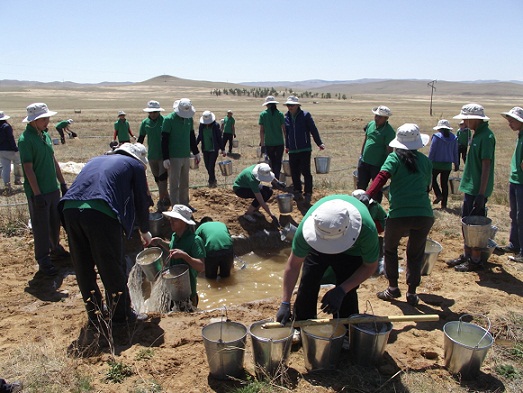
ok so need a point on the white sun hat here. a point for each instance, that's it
(262, 172)
(153, 106)
(135, 150)
(443, 124)
(333, 227)
(3, 116)
(37, 111)
(184, 108)
(70, 121)
(515, 113)
(270, 100)
(292, 100)
(382, 110)
(181, 212)
(207, 117)
(472, 111)
(409, 137)
(121, 113)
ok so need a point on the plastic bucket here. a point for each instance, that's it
(287, 233)
(225, 348)
(432, 250)
(151, 262)
(322, 346)
(192, 163)
(179, 283)
(285, 203)
(454, 184)
(355, 179)
(156, 222)
(465, 347)
(486, 253)
(225, 167)
(271, 348)
(286, 167)
(368, 341)
(235, 143)
(322, 164)
(476, 231)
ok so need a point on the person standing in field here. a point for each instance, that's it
(464, 137)
(178, 141)
(209, 134)
(272, 133)
(42, 186)
(229, 130)
(151, 128)
(63, 127)
(8, 154)
(122, 129)
(299, 127)
(443, 153)
(375, 148)
(515, 245)
(477, 181)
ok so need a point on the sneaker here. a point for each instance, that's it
(298, 196)
(508, 249)
(516, 258)
(13, 387)
(389, 294)
(307, 198)
(18, 182)
(48, 268)
(258, 214)
(458, 261)
(249, 217)
(469, 266)
(132, 318)
(436, 201)
(279, 185)
(412, 299)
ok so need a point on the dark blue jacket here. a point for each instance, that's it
(216, 136)
(7, 140)
(298, 131)
(120, 181)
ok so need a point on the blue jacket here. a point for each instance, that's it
(216, 136)
(120, 181)
(298, 131)
(7, 140)
(444, 149)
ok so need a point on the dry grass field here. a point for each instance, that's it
(41, 320)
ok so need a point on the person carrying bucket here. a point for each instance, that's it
(210, 136)
(477, 181)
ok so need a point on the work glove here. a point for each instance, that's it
(365, 199)
(479, 202)
(166, 164)
(39, 201)
(275, 220)
(198, 158)
(146, 238)
(63, 188)
(279, 185)
(284, 313)
(332, 300)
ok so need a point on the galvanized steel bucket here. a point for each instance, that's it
(285, 203)
(235, 143)
(476, 231)
(322, 164)
(432, 250)
(355, 179)
(193, 164)
(286, 167)
(179, 282)
(322, 345)
(454, 184)
(151, 262)
(368, 341)
(225, 167)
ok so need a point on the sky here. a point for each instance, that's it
(92, 41)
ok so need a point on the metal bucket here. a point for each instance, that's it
(56, 141)
(179, 283)
(225, 167)
(476, 231)
(454, 184)
(465, 347)
(493, 231)
(192, 162)
(258, 151)
(225, 348)
(271, 348)
(287, 233)
(368, 341)
(151, 262)
(322, 164)
(486, 253)
(286, 167)
(285, 203)
(432, 250)
(355, 179)
(322, 346)
(156, 222)
(235, 143)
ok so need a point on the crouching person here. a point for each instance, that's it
(218, 247)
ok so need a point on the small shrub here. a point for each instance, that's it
(507, 370)
(145, 354)
(118, 371)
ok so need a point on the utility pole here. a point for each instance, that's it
(431, 84)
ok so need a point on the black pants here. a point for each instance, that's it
(209, 158)
(275, 154)
(222, 260)
(366, 173)
(246, 193)
(313, 268)
(300, 164)
(462, 151)
(227, 138)
(444, 191)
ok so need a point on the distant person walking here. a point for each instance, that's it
(210, 136)
(122, 129)
(464, 136)
(229, 130)
(272, 132)
(8, 154)
(63, 127)
(443, 153)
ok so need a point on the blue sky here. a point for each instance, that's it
(245, 40)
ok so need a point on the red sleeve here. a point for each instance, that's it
(378, 183)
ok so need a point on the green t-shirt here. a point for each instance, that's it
(482, 147)
(179, 130)
(272, 123)
(228, 124)
(62, 124)
(463, 136)
(408, 195)
(215, 236)
(207, 144)
(122, 128)
(246, 179)
(153, 130)
(95, 204)
(516, 173)
(378, 139)
(192, 245)
(38, 150)
(366, 245)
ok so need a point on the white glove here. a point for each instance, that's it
(198, 158)
(146, 238)
(166, 164)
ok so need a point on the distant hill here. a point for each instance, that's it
(56, 84)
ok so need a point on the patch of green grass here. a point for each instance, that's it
(118, 371)
(507, 371)
(517, 351)
(145, 354)
(151, 387)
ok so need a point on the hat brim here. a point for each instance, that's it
(119, 150)
(5, 117)
(334, 246)
(471, 117)
(29, 119)
(270, 102)
(186, 114)
(440, 127)
(380, 114)
(506, 115)
(207, 121)
(292, 103)
(265, 179)
(414, 145)
(171, 214)
(154, 110)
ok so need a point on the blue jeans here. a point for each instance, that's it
(516, 216)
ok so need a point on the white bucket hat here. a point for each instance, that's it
(292, 100)
(207, 117)
(443, 124)
(3, 116)
(153, 106)
(382, 110)
(270, 100)
(70, 121)
(333, 227)
(135, 150)
(184, 108)
(37, 111)
(515, 113)
(181, 212)
(409, 137)
(121, 113)
(472, 111)
(262, 172)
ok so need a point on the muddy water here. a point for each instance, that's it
(255, 276)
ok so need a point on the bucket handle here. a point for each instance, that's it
(368, 305)
(487, 331)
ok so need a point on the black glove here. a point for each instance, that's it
(332, 300)
(284, 313)
(479, 202)
(279, 185)
(365, 199)
(275, 221)
(39, 201)
(63, 188)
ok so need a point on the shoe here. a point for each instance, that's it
(389, 294)
(279, 185)
(132, 318)
(469, 266)
(298, 196)
(60, 253)
(412, 299)
(258, 214)
(458, 261)
(48, 268)
(13, 387)
(213, 184)
(18, 182)
(436, 201)
(249, 217)
(516, 258)
(508, 248)
(296, 336)
(307, 198)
